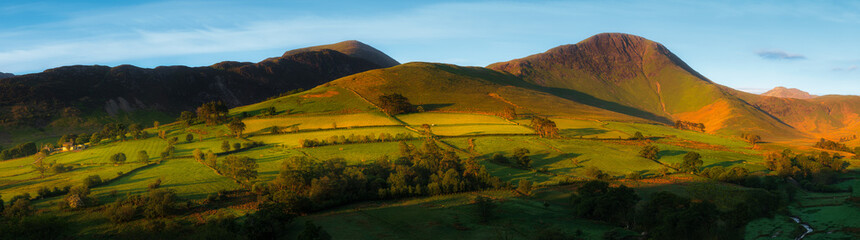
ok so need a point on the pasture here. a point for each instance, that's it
(258, 125)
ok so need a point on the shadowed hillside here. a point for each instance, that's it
(77, 91)
(6, 75)
(444, 87)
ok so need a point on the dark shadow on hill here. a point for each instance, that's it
(669, 153)
(434, 106)
(586, 99)
(724, 164)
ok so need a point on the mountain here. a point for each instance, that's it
(639, 77)
(6, 75)
(354, 48)
(788, 93)
(76, 91)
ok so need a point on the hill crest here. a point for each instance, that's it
(353, 48)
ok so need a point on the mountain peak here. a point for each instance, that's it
(353, 48)
(784, 92)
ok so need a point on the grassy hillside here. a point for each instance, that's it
(639, 77)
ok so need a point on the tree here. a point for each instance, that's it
(522, 157)
(187, 118)
(78, 197)
(211, 159)
(189, 137)
(212, 112)
(650, 152)
(426, 129)
(236, 127)
(241, 168)
(95, 138)
(225, 146)
(237, 146)
(275, 130)
(142, 156)
(692, 162)
(198, 155)
(155, 124)
(39, 164)
(544, 127)
(509, 113)
(637, 136)
(118, 158)
(524, 187)
(394, 104)
(136, 131)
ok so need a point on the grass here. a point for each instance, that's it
(318, 100)
(292, 139)
(449, 118)
(479, 129)
(31, 182)
(449, 217)
(190, 179)
(318, 122)
(102, 152)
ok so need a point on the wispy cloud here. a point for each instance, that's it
(846, 69)
(779, 55)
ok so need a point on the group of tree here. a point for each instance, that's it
(668, 216)
(651, 152)
(213, 113)
(352, 138)
(692, 126)
(20, 150)
(831, 145)
(814, 172)
(305, 185)
(241, 168)
(394, 104)
(544, 127)
(751, 138)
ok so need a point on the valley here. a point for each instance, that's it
(587, 141)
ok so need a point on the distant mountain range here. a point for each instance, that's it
(40, 98)
(6, 75)
(609, 76)
(784, 92)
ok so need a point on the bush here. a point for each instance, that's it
(120, 213)
(155, 184)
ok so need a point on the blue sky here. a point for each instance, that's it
(748, 45)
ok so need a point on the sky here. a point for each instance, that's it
(748, 45)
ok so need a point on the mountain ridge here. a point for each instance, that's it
(40, 98)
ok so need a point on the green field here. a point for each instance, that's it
(292, 139)
(319, 122)
(449, 118)
(190, 179)
(102, 152)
